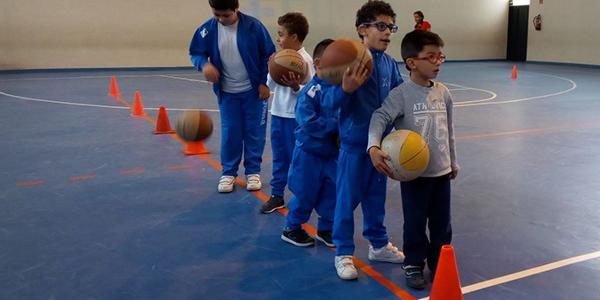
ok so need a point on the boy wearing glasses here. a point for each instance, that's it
(357, 182)
(232, 50)
(423, 106)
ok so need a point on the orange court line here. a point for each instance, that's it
(31, 183)
(396, 290)
(529, 130)
(82, 177)
(180, 167)
(132, 171)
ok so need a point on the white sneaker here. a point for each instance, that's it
(253, 182)
(345, 267)
(226, 184)
(388, 253)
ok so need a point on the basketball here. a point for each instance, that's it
(286, 61)
(341, 55)
(194, 125)
(409, 154)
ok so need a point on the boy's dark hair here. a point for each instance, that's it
(370, 10)
(414, 42)
(320, 48)
(224, 4)
(294, 23)
(419, 13)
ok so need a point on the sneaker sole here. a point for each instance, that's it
(283, 237)
(387, 260)
(272, 210)
(330, 245)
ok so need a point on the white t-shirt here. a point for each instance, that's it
(284, 98)
(234, 77)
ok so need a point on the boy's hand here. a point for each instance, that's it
(453, 174)
(263, 92)
(292, 80)
(378, 159)
(211, 73)
(354, 78)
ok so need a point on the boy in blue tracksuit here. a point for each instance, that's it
(313, 166)
(232, 51)
(357, 180)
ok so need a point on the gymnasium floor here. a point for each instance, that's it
(94, 206)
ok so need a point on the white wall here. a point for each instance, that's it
(143, 33)
(570, 32)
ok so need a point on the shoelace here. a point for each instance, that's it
(226, 180)
(253, 179)
(346, 262)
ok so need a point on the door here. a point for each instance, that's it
(518, 17)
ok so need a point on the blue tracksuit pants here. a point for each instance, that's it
(243, 130)
(312, 181)
(282, 147)
(358, 183)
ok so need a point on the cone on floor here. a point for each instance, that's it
(137, 110)
(195, 148)
(446, 285)
(514, 73)
(163, 126)
(114, 88)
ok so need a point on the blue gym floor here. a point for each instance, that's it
(95, 206)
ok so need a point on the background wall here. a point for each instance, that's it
(570, 32)
(153, 33)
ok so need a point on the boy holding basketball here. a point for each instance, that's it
(291, 32)
(357, 181)
(425, 107)
(232, 51)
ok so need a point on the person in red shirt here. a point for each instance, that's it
(420, 23)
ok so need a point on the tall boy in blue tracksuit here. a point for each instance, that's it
(357, 180)
(232, 51)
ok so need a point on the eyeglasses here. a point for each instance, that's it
(382, 26)
(433, 58)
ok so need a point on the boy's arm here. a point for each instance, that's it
(266, 49)
(199, 48)
(450, 111)
(385, 115)
(310, 118)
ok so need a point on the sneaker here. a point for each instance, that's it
(274, 203)
(226, 184)
(414, 277)
(326, 237)
(345, 267)
(253, 182)
(297, 237)
(389, 253)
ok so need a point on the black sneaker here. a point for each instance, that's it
(326, 238)
(414, 277)
(274, 203)
(297, 237)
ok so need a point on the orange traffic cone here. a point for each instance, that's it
(195, 148)
(137, 110)
(114, 88)
(446, 285)
(162, 122)
(514, 73)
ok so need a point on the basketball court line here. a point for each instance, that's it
(527, 273)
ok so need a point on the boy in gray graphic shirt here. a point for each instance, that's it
(425, 107)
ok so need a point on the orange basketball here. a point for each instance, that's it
(341, 55)
(285, 61)
(194, 125)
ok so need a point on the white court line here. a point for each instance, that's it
(573, 86)
(93, 105)
(527, 273)
(183, 78)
